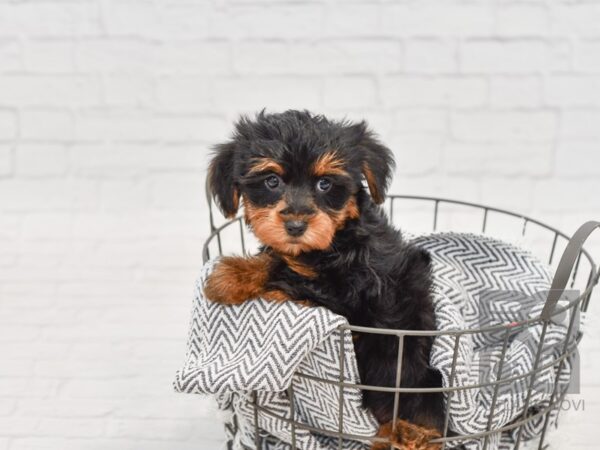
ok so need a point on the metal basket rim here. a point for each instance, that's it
(433, 333)
(569, 263)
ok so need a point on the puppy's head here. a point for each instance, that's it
(298, 175)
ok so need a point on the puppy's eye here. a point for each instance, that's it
(272, 181)
(324, 184)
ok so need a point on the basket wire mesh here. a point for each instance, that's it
(574, 263)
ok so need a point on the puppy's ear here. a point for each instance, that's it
(221, 181)
(377, 165)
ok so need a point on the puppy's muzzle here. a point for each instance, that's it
(295, 228)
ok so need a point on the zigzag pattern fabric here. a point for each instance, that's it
(482, 282)
(262, 353)
(264, 347)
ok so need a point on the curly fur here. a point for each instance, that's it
(350, 259)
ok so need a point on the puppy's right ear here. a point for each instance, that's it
(221, 180)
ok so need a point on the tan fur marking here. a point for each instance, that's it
(406, 436)
(236, 279)
(372, 183)
(236, 203)
(299, 268)
(275, 296)
(352, 209)
(266, 165)
(320, 231)
(329, 164)
(268, 226)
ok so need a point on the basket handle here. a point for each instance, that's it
(565, 267)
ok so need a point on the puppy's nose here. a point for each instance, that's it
(295, 228)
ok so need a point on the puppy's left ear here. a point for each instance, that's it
(377, 165)
(221, 181)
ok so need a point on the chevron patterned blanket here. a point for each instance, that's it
(257, 356)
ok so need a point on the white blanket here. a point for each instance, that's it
(264, 347)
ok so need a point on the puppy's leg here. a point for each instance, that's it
(237, 279)
(406, 436)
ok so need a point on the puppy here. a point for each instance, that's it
(326, 242)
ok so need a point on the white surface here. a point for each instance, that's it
(107, 109)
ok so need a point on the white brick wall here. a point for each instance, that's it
(108, 107)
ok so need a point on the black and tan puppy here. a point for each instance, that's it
(326, 243)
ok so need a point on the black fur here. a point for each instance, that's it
(369, 274)
(376, 279)
(221, 176)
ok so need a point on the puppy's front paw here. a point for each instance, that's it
(407, 436)
(235, 280)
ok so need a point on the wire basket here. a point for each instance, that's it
(574, 270)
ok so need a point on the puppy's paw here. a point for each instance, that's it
(407, 436)
(235, 280)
